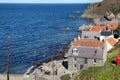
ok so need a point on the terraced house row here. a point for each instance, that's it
(90, 49)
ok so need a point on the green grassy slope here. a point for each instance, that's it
(106, 6)
(98, 9)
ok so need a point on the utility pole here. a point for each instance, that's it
(8, 56)
(119, 29)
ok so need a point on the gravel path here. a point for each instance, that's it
(15, 77)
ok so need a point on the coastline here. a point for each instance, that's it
(56, 58)
(86, 15)
(35, 41)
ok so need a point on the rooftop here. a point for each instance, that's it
(106, 33)
(88, 43)
(113, 26)
(98, 28)
(111, 41)
(90, 35)
(88, 52)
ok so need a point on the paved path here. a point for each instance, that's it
(61, 71)
(15, 77)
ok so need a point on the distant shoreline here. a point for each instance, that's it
(46, 3)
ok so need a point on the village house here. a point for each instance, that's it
(90, 35)
(109, 16)
(112, 26)
(86, 53)
(98, 28)
(90, 50)
(101, 36)
(110, 43)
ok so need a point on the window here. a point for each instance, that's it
(75, 59)
(95, 51)
(74, 65)
(75, 51)
(86, 60)
(81, 67)
(86, 37)
(103, 40)
(95, 60)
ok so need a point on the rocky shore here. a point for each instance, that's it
(55, 58)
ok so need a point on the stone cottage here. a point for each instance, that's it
(101, 36)
(90, 35)
(110, 43)
(86, 53)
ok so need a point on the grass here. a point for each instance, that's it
(65, 77)
(109, 71)
(116, 10)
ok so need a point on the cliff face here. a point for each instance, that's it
(98, 9)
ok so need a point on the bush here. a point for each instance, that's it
(65, 77)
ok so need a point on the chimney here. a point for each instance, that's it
(79, 37)
(71, 43)
(75, 39)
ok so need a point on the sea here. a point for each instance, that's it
(37, 32)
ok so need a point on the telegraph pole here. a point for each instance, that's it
(8, 56)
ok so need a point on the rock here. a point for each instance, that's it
(77, 12)
(84, 28)
(71, 16)
(66, 29)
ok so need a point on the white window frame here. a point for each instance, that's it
(75, 51)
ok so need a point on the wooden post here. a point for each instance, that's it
(119, 29)
(8, 56)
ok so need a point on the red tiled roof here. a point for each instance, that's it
(111, 41)
(88, 43)
(113, 26)
(98, 28)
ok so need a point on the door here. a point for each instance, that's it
(81, 67)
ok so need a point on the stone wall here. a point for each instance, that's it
(76, 63)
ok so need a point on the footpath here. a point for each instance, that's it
(15, 77)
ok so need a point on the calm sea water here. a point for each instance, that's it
(36, 32)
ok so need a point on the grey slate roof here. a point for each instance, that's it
(90, 35)
(106, 33)
(87, 52)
